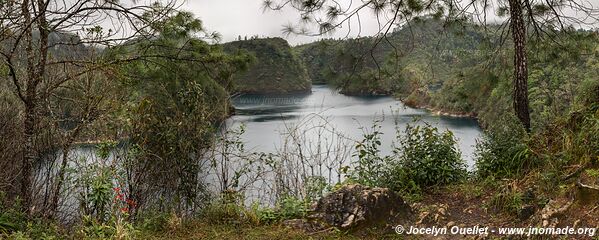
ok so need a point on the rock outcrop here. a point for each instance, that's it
(357, 206)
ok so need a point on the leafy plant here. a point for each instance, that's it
(114, 228)
(502, 152)
(315, 187)
(153, 221)
(292, 207)
(424, 157)
(508, 201)
(6, 224)
(15, 225)
(96, 193)
(228, 208)
(594, 173)
(369, 167)
(287, 208)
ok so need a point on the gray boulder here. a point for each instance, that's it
(356, 206)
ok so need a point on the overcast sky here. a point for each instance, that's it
(232, 18)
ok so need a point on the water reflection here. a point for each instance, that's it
(268, 116)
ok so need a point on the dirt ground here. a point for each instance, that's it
(469, 206)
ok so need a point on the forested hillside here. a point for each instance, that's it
(118, 121)
(276, 68)
(454, 67)
(422, 49)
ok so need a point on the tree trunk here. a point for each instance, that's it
(35, 75)
(28, 156)
(66, 148)
(520, 95)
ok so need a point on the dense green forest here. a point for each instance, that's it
(456, 68)
(277, 69)
(108, 135)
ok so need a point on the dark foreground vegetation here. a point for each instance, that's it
(110, 138)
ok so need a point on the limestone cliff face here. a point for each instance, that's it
(276, 69)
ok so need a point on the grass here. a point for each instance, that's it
(203, 229)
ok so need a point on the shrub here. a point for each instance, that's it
(228, 212)
(315, 187)
(10, 220)
(96, 190)
(424, 157)
(369, 168)
(508, 201)
(292, 207)
(228, 208)
(115, 228)
(219, 212)
(15, 225)
(502, 152)
(154, 220)
(287, 208)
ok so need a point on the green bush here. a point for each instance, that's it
(502, 152)
(114, 228)
(15, 225)
(153, 221)
(228, 208)
(9, 220)
(508, 201)
(236, 213)
(287, 208)
(368, 170)
(292, 207)
(315, 187)
(424, 157)
(220, 212)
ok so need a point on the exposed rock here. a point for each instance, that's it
(434, 214)
(357, 206)
(450, 224)
(552, 211)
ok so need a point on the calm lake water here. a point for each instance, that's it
(325, 124)
(268, 118)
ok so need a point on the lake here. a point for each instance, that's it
(269, 118)
(311, 134)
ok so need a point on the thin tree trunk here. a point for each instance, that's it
(35, 75)
(28, 154)
(520, 95)
(28, 157)
(66, 148)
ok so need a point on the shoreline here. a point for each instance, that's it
(434, 111)
(441, 112)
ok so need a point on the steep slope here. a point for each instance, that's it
(423, 51)
(276, 68)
